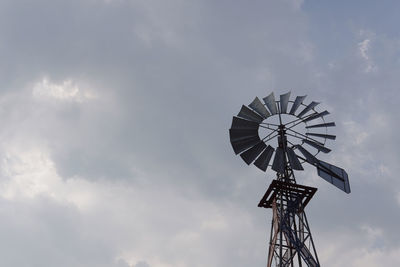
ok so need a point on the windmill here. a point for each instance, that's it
(262, 131)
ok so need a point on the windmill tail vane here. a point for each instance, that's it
(301, 133)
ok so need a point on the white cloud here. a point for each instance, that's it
(364, 48)
(376, 257)
(372, 233)
(29, 172)
(142, 222)
(67, 90)
(363, 247)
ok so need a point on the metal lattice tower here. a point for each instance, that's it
(291, 242)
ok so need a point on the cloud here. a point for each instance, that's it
(114, 145)
(65, 91)
(359, 252)
(141, 221)
(141, 264)
(364, 50)
(364, 47)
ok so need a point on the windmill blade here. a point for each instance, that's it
(293, 160)
(259, 107)
(248, 114)
(309, 157)
(327, 136)
(241, 134)
(239, 123)
(250, 155)
(308, 108)
(296, 104)
(242, 145)
(263, 160)
(317, 146)
(271, 103)
(284, 102)
(315, 116)
(279, 161)
(334, 175)
(328, 124)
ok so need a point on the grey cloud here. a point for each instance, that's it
(42, 232)
(169, 77)
(141, 264)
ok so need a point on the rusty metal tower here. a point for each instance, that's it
(291, 242)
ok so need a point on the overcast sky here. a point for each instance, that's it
(114, 147)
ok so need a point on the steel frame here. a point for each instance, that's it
(291, 243)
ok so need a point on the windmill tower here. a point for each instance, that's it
(297, 137)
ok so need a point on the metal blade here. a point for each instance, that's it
(259, 108)
(241, 134)
(293, 160)
(271, 103)
(296, 104)
(279, 161)
(248, 114)
(239, 123)
(242, 145)
(334, 175)
(328, 124)
(315, 116)
(263, 160)
(250, 155)
(309, 157)
(327, 136)
(308, 108)
(317, 146)
(284, 102)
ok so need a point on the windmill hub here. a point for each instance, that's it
(291, 241)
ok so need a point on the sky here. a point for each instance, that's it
(114, 146)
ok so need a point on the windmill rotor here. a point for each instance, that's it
(300, 126)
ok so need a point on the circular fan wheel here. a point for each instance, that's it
(259, 124)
